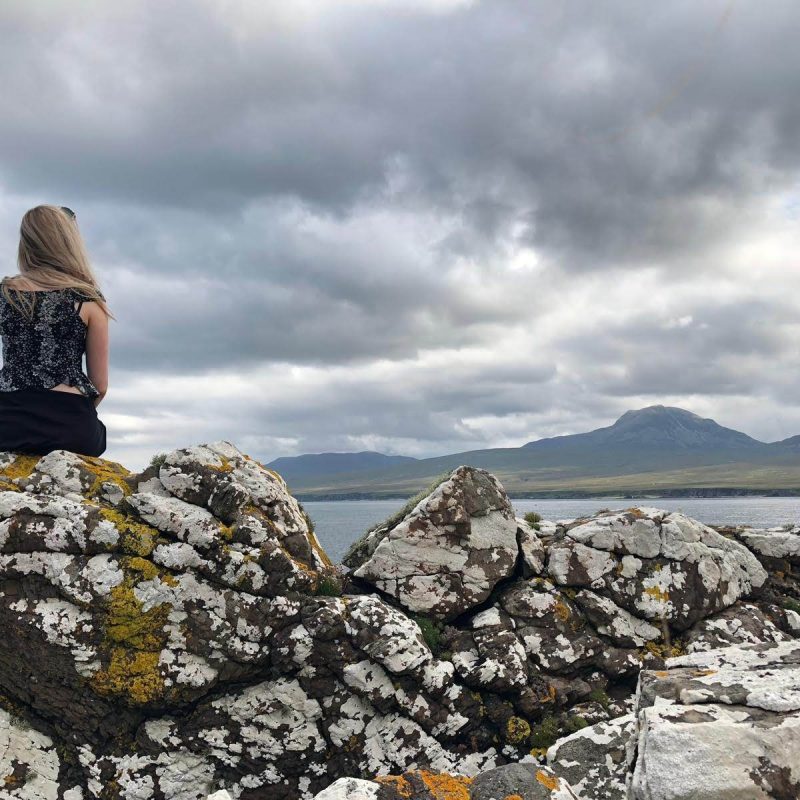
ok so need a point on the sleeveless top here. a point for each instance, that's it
(48, 349)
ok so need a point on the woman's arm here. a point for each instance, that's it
(96, 348)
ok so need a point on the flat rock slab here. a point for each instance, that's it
(719, 724)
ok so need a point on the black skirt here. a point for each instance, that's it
(37, 421)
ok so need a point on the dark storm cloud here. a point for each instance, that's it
(573, 116)
(353, 185)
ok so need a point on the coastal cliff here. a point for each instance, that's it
(180, 634)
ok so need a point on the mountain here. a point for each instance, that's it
(657, 426)
(651, 449)
(318, 465)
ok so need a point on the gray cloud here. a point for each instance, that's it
(426, 227)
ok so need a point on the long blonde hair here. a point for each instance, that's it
(51, 256)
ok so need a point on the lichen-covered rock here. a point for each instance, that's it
(29, 762)
(744, 623)
(447, 554)
(179, 632)
(350, 789)
(775, 544)
(523, 781)
(593, 759)
(719, 723)
(655, 565)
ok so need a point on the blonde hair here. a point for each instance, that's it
(51, 256)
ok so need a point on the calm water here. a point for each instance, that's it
(340, 523)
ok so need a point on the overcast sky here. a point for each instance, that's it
(418, 226)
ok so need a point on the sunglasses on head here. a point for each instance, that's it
(69, 212)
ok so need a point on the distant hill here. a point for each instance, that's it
(649, 450)
(312, 466)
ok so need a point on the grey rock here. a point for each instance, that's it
(447, 554)
(593, 759)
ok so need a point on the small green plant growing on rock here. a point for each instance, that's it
(533, 519)
(329, 586)
(545, 733)
(431, 632)
(158, 460)
(574, 723)
(599, 695)
(791, 604)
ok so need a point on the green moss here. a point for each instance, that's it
(329, 586)
(791, 604)
(431, 632)
(599, 695)
(574, 723)
(545, 733)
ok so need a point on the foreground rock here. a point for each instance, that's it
(179, 632)
(724, 723)
(594, 759)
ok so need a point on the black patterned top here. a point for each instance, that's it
(48, 349)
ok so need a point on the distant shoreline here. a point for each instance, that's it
(651, 494)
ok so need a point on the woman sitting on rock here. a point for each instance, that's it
(50, 315)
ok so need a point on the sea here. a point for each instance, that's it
(339, 523)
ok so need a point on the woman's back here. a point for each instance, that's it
(46, 349)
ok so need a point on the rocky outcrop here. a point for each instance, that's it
(179, 632)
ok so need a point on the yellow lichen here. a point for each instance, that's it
(662, 650)
(226, 531)
(21, 467)
(700, 673)
(538, 752)
(561, 610)
(396, 782)
(132, 639)
(548, 781)
(226, 465)
(132, 674)
(658, 593)
(317, 547)
(517, 730)
(446, 787)
(137, 538)
(105, 470)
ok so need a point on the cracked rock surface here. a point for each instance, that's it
(722, 723)
(179, 633)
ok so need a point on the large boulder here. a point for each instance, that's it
(450, 550)
(663, 567)
(719, 723)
